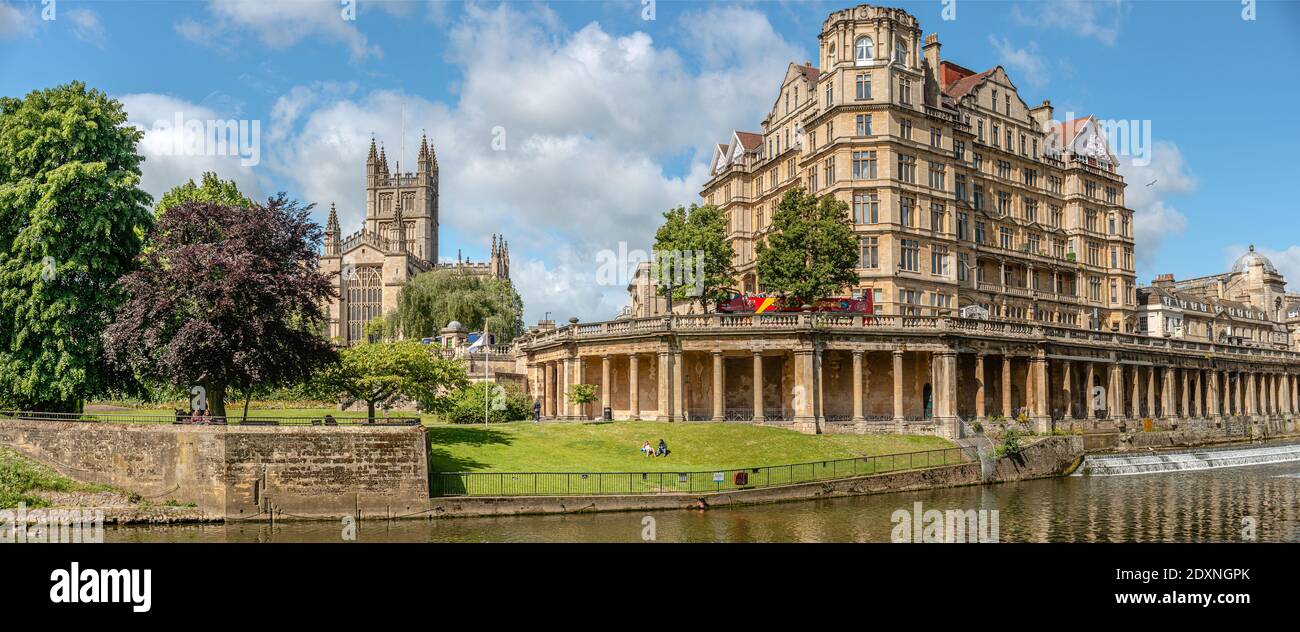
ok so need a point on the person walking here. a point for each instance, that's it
(537, 410)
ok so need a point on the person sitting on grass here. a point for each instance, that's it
(663, 449)
(647, 450)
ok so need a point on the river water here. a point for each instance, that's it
(1259, 502)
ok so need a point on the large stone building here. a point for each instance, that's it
(962, 195)
(397, 240)
(996, 242)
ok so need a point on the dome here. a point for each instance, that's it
(1252, 258)
(454, 326)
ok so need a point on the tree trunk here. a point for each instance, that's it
(248, 394)
(370, 409)
(216, 400)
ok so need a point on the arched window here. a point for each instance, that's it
(863, 50)
(365, 299)
(830, 56)
(900, 52)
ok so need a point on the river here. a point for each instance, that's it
(1259, 502)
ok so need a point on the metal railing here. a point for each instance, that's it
(185, 419)
(669, 482)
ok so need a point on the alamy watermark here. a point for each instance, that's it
(950, 526)
(240, 138)
(44, 526)
(678, 268)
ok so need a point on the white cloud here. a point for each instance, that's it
(589, 118)
(86, 26)
(1096, 19)
(1026, 63)
(15, 22)
(163, 168)
(1154, 218)
(278, 25)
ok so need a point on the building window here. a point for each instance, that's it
(864, 86)
(909, 255)
(365, 300)
(1031, 210)
(906, 208)
(959, 150)
(995, 134)
(977, 198)
(963, 221)
(936, 137)
(960, 183)
(979, 233)
(863, 50)
(905, 90)
(864, 124)
(905, 129)
(1005, 235)
(1056, 215)
(829, 172)
(864, 165)
(900, 52)
(939, 260)
(937, 216)
(1058, 248)
(1004, 203)
(907, 168)
(870, 258)
(866, 207)
(937, 172)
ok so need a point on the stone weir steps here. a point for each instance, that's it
(1152, 462)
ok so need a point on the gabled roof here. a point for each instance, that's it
(809, 73)
(958, 81)
(749, 140)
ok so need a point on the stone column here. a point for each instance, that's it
(1151, 391)
(1213, 395)
(665, 407)
(979, 387)
(717, 386)
(1006, 386)
(1273, 390)
(758, 386)
(678, 363)
(1252, 390)
(945, 393)
(805, 384)
(633, 396)
(1067, 390)
(1186, 410)
(1137, 392)
(1116, 398)
(898, 388)
(1238, 392)
(1090, 374)
(566, 371)
(1042, 417)
(606, 389)
(1199, 402)
(857, 387)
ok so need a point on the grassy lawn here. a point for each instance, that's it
(611, 450)
(21, 476)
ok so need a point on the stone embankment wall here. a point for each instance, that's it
(241, 471)
(1050, 456)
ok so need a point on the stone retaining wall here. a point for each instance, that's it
(241, 471)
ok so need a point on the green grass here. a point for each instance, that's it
(611, 450)
(21, 476)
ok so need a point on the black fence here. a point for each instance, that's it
(618, 483)
(186, 419)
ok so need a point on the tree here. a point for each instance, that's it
(226, 297)
(380, 372)
(700, 231)
(500, 403)
(581, 394)
(72, 221)
(432, 299)
(812, 251)
(212, 189)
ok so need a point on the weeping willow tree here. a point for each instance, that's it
(432, 299)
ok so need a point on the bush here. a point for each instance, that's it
(1010, 444)
(465, 406)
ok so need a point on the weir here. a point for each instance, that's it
(1121, 464)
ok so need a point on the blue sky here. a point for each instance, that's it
(608, 117)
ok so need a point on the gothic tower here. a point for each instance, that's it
(418, 194)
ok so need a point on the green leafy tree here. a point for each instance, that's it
(581, 394)
(812, 251)
(226, 298)
(72, 221)
(499, 404)
(380, 372)
(212, 189)
(432, 299)
(685, 234)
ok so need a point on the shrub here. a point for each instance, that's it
(508, 403)
(1010, 444)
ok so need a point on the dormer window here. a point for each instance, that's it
(863, 51)
(900, 52)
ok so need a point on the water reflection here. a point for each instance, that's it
(1196, 506)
